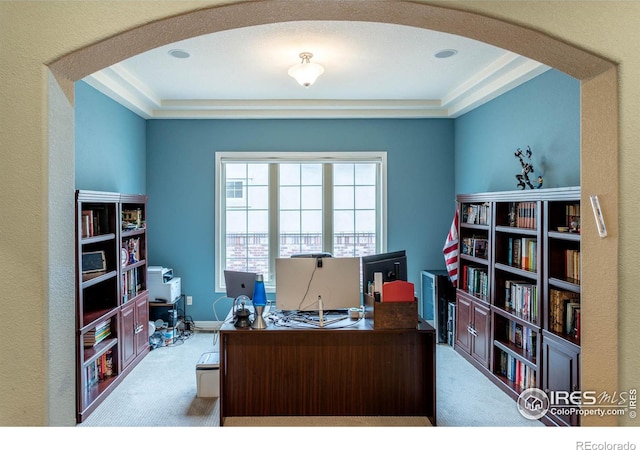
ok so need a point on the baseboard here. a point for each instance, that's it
(207, 325)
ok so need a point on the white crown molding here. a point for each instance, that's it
(517, 72)
(506, 73)
(118, 84)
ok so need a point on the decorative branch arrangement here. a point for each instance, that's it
(527, 168)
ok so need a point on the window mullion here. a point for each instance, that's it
(274, 218)
(327, 207)
(222, 223)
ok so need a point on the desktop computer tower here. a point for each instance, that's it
(437, 292)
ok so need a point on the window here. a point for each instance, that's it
(278, 205)
(234, 189)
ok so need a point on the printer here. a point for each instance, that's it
(163, 286)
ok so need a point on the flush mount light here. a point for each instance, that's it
(181, 54)
(448, 53)
(306, 72)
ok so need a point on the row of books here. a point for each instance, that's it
(523, 214)
(475, 280)
(572, 265)
(98, 334)
(479, 213)
(99, 370)
(521, 297)
(516, 371)
(131, 284)
(564, 312)
(474, 246)
(92, 222)
(522, 252)
(522, 337)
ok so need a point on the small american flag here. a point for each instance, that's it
(450, 249)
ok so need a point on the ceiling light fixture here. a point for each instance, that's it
(306, 72)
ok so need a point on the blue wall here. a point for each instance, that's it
(180, 174)
(110, 144)
(178, 157)
(543, 113)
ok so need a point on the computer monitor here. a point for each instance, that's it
(302, 282)
(239, 283)
(392, 265)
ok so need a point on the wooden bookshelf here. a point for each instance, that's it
(111, 317)
(518, 304)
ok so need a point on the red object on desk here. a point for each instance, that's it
(398, 291)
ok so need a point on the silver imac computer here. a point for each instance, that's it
(316, 283)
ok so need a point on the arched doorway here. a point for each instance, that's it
(599, 171)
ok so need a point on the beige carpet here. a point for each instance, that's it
(327, 421)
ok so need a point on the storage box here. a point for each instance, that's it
(398, 291)
(391, 315)
(208, 375)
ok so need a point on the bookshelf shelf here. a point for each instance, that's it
(474, 226)
(567, 285)
(98, 239)
(574, 237)
(515, 230)
(97, 278)
(514, 316)
(99, 391)
(518, 353)
(111, 336)
(93, 318)
(529, 303)
(509, 385)
(92, 353)
(515, 270)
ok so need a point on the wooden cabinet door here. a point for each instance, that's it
(463, 322)
(482, 336)
(561, 362)
(141, 329)
(127, 336)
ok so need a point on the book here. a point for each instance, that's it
(572, 265)
(517, 337)
(517, 255)
(472, 211)
(558, 303)
(569, 323)
(480, 248)
(87, 223)
(98, 334)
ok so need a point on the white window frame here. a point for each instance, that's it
(289, 157)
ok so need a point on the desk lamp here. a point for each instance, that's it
(259, 302)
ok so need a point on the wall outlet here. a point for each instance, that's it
(189, 300)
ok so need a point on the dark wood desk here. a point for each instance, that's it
(357, 371)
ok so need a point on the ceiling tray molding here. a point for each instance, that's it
(506, 73)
